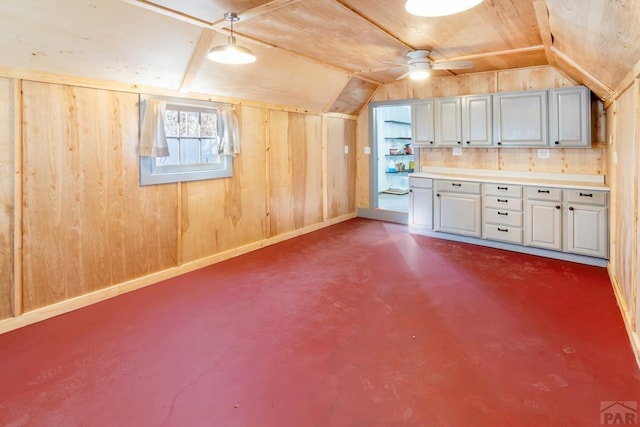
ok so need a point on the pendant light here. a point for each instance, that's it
(434, 8)
(231, 53)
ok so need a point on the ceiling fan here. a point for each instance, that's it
(420, 65)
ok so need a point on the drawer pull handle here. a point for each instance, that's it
(543, 191)
(503, 213)
(503, 188)
(586, 194)
(570, 208)
(456, 185)
(504, 230)
(503, 200)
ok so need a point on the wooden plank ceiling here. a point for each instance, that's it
(320, 55)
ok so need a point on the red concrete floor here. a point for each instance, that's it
(360, 324)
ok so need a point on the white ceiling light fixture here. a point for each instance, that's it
(231, 53)
(419, 70)
(435, 8)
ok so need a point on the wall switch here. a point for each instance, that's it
(615, 157)
(346, 149)
(367, 150)
(610, 139)
(544, 154)
(457, 151)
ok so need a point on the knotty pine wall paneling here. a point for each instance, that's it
(295, 171)
(87, 222)
(7, 116)
(624, 202)
(341, 166)
(223, 214)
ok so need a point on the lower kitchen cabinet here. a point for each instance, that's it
(421, 203)
(544, 221)
(587, 223)
(457, 207)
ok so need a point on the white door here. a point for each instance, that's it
(543, 224)
(569, 117)
(587, 230)
(448, 121)
(457, 213)
(520, 118)
(421, 207)
(422, 123)
(477, 126)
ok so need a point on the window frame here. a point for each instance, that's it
(151, 174)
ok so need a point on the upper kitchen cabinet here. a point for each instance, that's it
(422, 120)
(477, 125)
(569, 117)
(520, 119)
(448, 114)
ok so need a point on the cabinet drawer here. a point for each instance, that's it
(504, 233)
(503, 217)
(544, 193)
(421, 182)
(503, 202)
(457, 186)
(502, 190)
(587, 197)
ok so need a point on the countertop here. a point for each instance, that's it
(577, 181)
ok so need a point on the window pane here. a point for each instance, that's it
(174, 154)
(189, 151)
(171, 123)
(189, 123)
(208, 125)
(210, 151)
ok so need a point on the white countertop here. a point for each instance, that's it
(586, 182)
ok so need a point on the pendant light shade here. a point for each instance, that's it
(434, 8)
(231, 53)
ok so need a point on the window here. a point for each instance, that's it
(192, 136)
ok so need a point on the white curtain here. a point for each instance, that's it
(153, 141)
(228, 132)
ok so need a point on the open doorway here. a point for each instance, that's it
(394, 157)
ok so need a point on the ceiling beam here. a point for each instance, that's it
(576, 72)
(197, 57)
(516, 51)
(542, 16)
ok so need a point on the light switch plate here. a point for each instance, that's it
(346, 149)
(544, 154)
(367, 150)
(457, 151)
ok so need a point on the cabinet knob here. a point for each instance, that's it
(557, 142)
(459, 142)
(499, 143)
(438, 195)
(431, 142)
(570, 208)
(468, 142)
(558, 207)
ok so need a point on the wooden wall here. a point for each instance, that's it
(87, 225)
(7, 119)
(564, 160)
(623, 154)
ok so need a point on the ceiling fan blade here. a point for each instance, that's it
(452, 65)
(403, 76)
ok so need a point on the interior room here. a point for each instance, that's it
(319, 212)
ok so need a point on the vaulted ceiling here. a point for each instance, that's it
(320, 55)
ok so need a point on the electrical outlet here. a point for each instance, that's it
(544, 154)
(457, 151)
(346, 149)
(367, 150)
(615, 157)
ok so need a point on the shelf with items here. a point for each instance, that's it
(398, 155)
(401, 172)
(398, 122)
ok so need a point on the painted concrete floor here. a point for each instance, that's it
(359, 324)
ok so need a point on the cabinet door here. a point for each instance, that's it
(422, 121)
(477, 125)
(421, 207)
(587, 230)
(448, 121)
(543, 222)
(569, 117)
(457, 213)
(520, 119)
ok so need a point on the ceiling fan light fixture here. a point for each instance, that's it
(231, 53)
(435, 8)
(419, 74)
